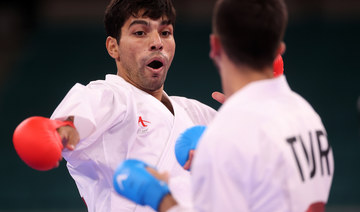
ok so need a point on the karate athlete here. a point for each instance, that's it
(266, 149)
(129, 115)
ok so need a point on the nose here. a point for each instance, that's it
(156, 43)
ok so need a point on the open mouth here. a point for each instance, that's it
(155, 64)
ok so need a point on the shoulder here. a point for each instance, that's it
(183, 100)
(111, 82)
(187, 103)
(110, 88)
(197, 111)
(95, 97)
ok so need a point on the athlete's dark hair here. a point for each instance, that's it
(118, 11)
(250, 30)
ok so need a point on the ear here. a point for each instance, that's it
(281, 49)
(112, 47)
(215, 47)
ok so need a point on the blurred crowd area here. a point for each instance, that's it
(19, 18)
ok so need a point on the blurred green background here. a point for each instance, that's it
(48, 46)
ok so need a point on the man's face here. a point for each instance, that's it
(146, 50)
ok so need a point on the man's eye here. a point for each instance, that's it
(139, 33)
(165, 33)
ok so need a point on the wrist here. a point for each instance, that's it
(154, 193)
(166, 203)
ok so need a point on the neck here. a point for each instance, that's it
(158, 94)
(234, 77)
(155, 93)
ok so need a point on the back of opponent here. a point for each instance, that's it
(267, 149)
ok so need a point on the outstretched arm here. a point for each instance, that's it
(69, 135)
(39, 141)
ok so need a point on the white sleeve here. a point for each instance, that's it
(199, 113)
(182, 185)
(180, 208)
(94, 107)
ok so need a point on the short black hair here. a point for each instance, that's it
(250, 30)
(118, 11)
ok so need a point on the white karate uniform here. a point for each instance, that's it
(117, 121)
(266, 150)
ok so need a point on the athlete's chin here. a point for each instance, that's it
(154, 84)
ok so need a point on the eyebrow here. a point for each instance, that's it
(139, 22)
(165, 22)
(142, 22)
